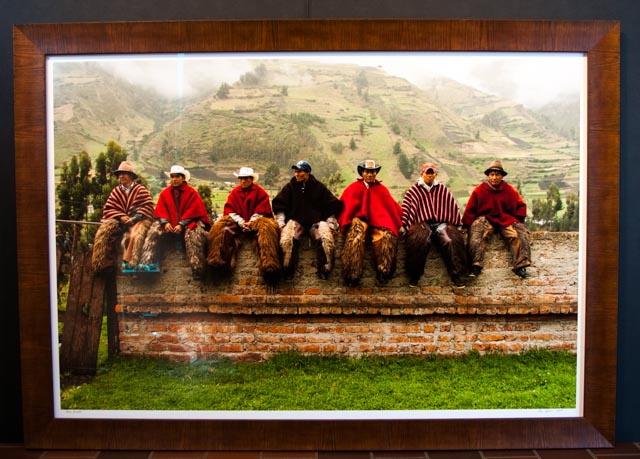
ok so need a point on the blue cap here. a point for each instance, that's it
(302, 166)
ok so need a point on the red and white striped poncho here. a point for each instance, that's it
(436, 205)
(119, 203)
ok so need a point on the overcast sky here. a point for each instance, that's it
(532, 79)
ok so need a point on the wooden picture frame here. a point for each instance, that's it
(599, 40)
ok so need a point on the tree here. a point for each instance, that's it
(361, 129)
(404, 165)
(352, 144)
(284, 91)
(261, 71)
(397, 148)
(334, 182)
(545, 212)
(103, 180)
(74, 188)
(570, 220)
(337, 148)
(271, 175)
(205, 193)
(223, 91)
(361, 80)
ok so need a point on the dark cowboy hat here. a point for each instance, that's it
(369, 165)
(126, 166)
(496, 165)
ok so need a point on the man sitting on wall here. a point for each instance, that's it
(247, 211)
(128, 211)
(431, 216)
(496, 206)
(369, 208)
(180, 213)
(306, 205)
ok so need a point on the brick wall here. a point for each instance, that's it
(173, 316)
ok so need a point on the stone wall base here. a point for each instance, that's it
(187, 337)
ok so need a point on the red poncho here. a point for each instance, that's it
(374, 204)
(501, 205)
(119, 203)
(190, 206)
(248, 201)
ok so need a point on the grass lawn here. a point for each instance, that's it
(539, 379)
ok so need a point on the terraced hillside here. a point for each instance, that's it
(334, 115)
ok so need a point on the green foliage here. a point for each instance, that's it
(271, 175)
(335, 183)
(337, 148)
(395, 128)
(305, 119)
(361, 80)
(352, 144)
(547, 213)
(537, 379)
(74, 188)
(405, 166)
(284, 91)
(570, 219)
(397, 148)
(223, 91)
(254, 78)
(205, 193)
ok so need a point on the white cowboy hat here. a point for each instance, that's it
(180, 170)
(247, 172)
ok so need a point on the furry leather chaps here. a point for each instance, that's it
(385, 250)
(223, 244)
(104, 253)
(353, 252)
(268, 247)
(150, 248)
(195, 243)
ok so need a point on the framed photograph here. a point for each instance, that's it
(57, 64)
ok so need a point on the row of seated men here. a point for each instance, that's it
(365, 211)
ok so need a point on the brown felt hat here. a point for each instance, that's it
(126, 166)
(496, 165)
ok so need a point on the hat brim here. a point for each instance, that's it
(186, 174)
(362, 169)
(255, 176)
(118, 172)
(493, 169)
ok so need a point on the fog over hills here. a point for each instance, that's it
(272, 112)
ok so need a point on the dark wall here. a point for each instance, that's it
(627, 11)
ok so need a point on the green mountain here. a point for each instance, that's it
(334, 115)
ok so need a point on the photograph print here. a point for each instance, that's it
(438, 276)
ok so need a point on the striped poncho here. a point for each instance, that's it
(434, 205)
(137, 201)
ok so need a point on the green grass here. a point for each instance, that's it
(539, 379)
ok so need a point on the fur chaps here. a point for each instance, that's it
(221, 255)
(328, 246)
(353, 252)
(385, 250)
(105, 245)
(287, 241)
(150, 247)
(268, 247)
(195, 243)
(136, 236)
